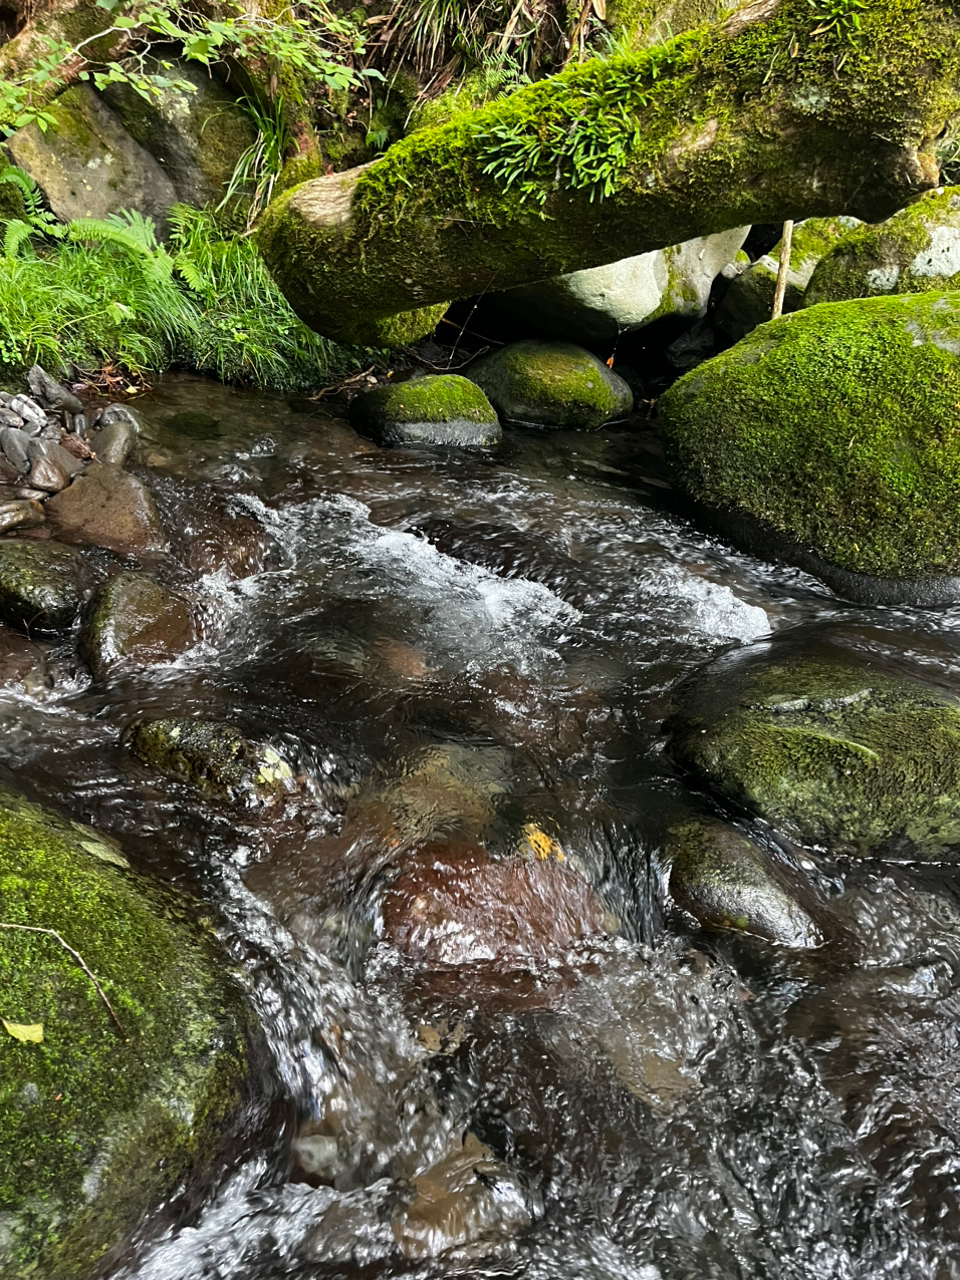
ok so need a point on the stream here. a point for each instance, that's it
(466, 652)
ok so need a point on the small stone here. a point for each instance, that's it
(14, 445)
(41, 585)
(29, 410)
(212, 756)
(115, 442)
(441, 409)
(20, 515)
(76, 446)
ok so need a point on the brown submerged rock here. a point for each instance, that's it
(135, 621)
(107, 507)
(451, 906)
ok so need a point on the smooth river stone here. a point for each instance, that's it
(107, 507)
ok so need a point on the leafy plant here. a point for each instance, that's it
(260, 164)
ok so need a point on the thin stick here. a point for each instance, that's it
(786, 240)
(31, 928)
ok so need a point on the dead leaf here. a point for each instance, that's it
(31, 1032)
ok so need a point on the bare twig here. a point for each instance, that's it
(786, 240)
(32, 928)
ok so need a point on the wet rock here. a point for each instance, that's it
(134, 621)
(107, 507)
(76, 446)
(21, 662)
(552, 385)
(33, 416)
(916, 250)
(20, 515)
(14, 444)
(213, 757)
(465, 1202)
(454, 905)
(117, 438)
(149, 1090)
(233, 545)
(828, 751)
(41, 585)
(780, 443)
(438, 409)
(726, 881)
(749, 299)
(601, 303)
(51, 468)
(50, 393)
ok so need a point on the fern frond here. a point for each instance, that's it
(16, 234)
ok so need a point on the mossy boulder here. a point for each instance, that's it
(749, 299)
(41, 585)
(213, 757)
(552, 384)
(726, 881)
(831, 439)
(827, 750)
(99, 1121)
(913, 252)
(135, 622)
(437, 409)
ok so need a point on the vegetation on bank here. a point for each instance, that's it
(94, 293)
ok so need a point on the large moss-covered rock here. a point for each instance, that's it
(749, 299)
(437, 409)
(600, 303)
(98, 1122)
(912, 252)
(41, 585)
(827, 750)
(831, 438)
(213, 757)
(552, 384)
(727, 882)
(135, 622)
(86, 163)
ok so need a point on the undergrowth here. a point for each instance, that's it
(96, 292)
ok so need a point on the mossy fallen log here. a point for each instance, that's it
(778, 111)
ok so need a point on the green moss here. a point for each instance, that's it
(41, 584)
(439, 398)
(552, 384)
(439, 216)
(829, 753)
(213, 757)
(97, 1125)
(838, 426)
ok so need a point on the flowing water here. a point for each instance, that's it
(464, 653)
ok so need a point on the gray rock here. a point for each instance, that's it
(441, 409)
(552, 385)
(50, 393)
(115, 442)
(87, 165)
(41, 585)
(33, 416)
(135, 622)
(602, 302)
(727, 882)
(14, 444)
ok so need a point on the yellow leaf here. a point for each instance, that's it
(32, 1032)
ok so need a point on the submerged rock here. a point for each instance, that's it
(213, 757)
(437, 409)
(41, 585)
(109, 508)
(134, 621)
(103, 1110)
(830, 439)
(828, 751)
(726, 881)
(915, 251)
(552, 385)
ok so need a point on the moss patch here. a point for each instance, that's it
(829, 753)
(438, 409)
(552, 384)
(213, 757)
(838, 426)
(41, 585)
(97, 1125)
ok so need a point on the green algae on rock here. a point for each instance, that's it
(552, 384)
(436, 409)
(135, 621)
(915, 251)
(828, 751)
(726, 881)
(41, 585)
(213, 757)
(831, 439)
(98, 1124)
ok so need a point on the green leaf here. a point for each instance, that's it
(29, 1032)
